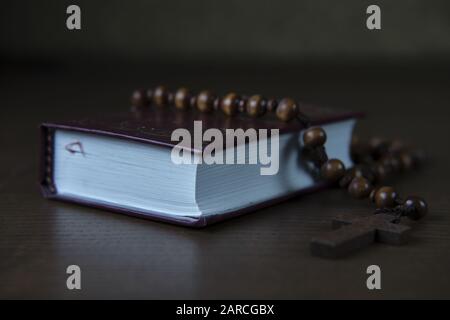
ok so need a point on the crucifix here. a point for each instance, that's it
(353, 233)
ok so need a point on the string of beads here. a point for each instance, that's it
(374, 160)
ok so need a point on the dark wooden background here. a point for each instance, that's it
(261, 255)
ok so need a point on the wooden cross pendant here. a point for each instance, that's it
(354, 233)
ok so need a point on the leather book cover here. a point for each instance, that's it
(155, 126)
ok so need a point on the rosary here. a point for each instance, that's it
(374, 161)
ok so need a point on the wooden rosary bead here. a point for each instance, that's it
(139, 98)
(182, 99)
(230, 104)
(272, 105)
(384, 197)
(160, 95)
(314, 137)
(255, 106)
(205, 101)
(416, 207)
(359, 188)
(287, 109)
(332, 170)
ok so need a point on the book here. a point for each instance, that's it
(124, 163)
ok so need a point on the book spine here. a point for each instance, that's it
(46, 158)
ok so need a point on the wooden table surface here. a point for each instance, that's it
(260, 255)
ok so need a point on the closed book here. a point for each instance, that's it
(125, 162)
